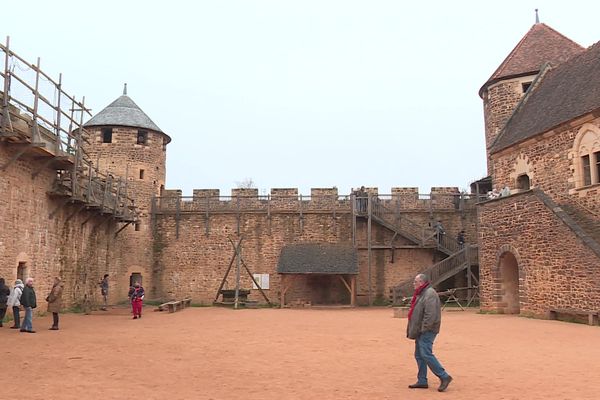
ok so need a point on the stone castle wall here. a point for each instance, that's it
(550, 165)
(555, 268)
(193, 249)
(74, 243)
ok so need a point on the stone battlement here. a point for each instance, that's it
(320, 199)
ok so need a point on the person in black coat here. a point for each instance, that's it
(28, 301)
(4, 292)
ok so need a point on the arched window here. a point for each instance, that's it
(523, 182)
(587, 156)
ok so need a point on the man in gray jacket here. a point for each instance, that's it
(424, 319)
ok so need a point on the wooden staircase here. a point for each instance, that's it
(457, 262)
(423, 236)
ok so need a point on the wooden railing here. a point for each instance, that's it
(392, 219)
(41, 119)
(439, 272)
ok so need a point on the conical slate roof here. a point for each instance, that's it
(123, 112)
(540, 45)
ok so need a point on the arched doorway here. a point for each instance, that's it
(509, 275)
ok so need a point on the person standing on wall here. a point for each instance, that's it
(28, 301)
(136, 295)
(104, 291)
(14, 301)
(460, 239)
(4, 293)
(54, 300)
(439, 231)
(424, 320)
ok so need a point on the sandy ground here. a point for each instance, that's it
(216, 353)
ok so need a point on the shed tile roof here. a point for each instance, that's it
(317, 258)
(568, 91)
(540, 45)
(123, 112)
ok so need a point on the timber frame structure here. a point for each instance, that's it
(51, 132)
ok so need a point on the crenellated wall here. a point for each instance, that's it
(193, 238)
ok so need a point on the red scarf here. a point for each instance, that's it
(413, 302)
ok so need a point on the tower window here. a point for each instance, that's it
(142, 174)
(587, 173)
(597, 157)
(107, 135)
(523, 182)
(164, 146)
(142, 137)
(587, 163)
(137, 226)
(525, 86)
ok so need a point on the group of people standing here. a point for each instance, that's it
(23, 295)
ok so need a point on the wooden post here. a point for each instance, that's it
(35, 133)
(6, 124)
(301, 215)
(369, 211)
(269, 212)
(282, 291)
(237, 276)
(207, 229)
(238, 214)
(284, 287)
(58, 112)
(353, 290)
(353, 207)
(177, 211)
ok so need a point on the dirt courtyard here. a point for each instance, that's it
(217, 353)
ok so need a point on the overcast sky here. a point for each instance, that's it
(295, 93)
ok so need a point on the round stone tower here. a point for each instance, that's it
(125, 142)
(506, 87)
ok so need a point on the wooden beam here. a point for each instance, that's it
(284, 287)
(353, 290)
(227, 272)
(344, 282)
(254, 280)
(123, 227)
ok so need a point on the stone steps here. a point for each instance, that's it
(586, 221)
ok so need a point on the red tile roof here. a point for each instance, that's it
(540, 45)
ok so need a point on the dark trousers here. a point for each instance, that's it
(2, 314)
(55, 320)
(17, 316)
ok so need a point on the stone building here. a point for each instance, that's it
(539, 246)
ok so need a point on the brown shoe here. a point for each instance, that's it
(53, 328)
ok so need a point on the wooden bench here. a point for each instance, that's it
(592, 315)
(175, 305)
